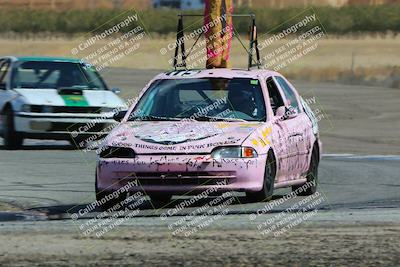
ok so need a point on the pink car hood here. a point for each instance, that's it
(179, 137)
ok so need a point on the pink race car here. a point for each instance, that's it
(225, 129)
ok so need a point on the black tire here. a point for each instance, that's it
(312, 175)
(105, 205)
(267, 191)
(160, 200)
(12, 139)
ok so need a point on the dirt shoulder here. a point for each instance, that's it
(349, 244)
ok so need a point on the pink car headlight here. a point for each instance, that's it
(234, 152)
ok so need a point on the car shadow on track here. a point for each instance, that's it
(33, 144)
(65, 211)
(43, 147)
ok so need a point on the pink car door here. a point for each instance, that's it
(299, 127)
(281, 135)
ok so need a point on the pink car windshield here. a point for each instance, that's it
(202, 99)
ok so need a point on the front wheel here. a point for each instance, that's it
(12, 139)
(269, 179)
(107, 199)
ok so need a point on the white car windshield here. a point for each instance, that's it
(238, 99)
(52, 74)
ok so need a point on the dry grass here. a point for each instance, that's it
(365, 58)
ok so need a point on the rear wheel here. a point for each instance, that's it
(12, 139)
(269, 179)
(312, 176)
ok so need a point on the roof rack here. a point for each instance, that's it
(253, 43)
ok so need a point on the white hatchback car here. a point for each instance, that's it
(53, 98)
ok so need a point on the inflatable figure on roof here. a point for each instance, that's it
(218, 22)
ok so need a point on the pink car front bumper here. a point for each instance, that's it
(181, 174)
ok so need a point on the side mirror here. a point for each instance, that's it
(2, 86)
(116, 90)
(119, 116)
(280, 112)
(286, 112)
(291, 112)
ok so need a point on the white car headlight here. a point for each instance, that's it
(47, 109)
(107, 110)
(234, 152)
(26, 108)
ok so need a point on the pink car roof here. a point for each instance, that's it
(216, 73)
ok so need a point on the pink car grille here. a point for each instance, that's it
(182, 178)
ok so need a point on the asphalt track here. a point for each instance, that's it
(53, 178)
(352, 220)
(57, 181)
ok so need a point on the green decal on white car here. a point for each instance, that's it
(75, 100)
